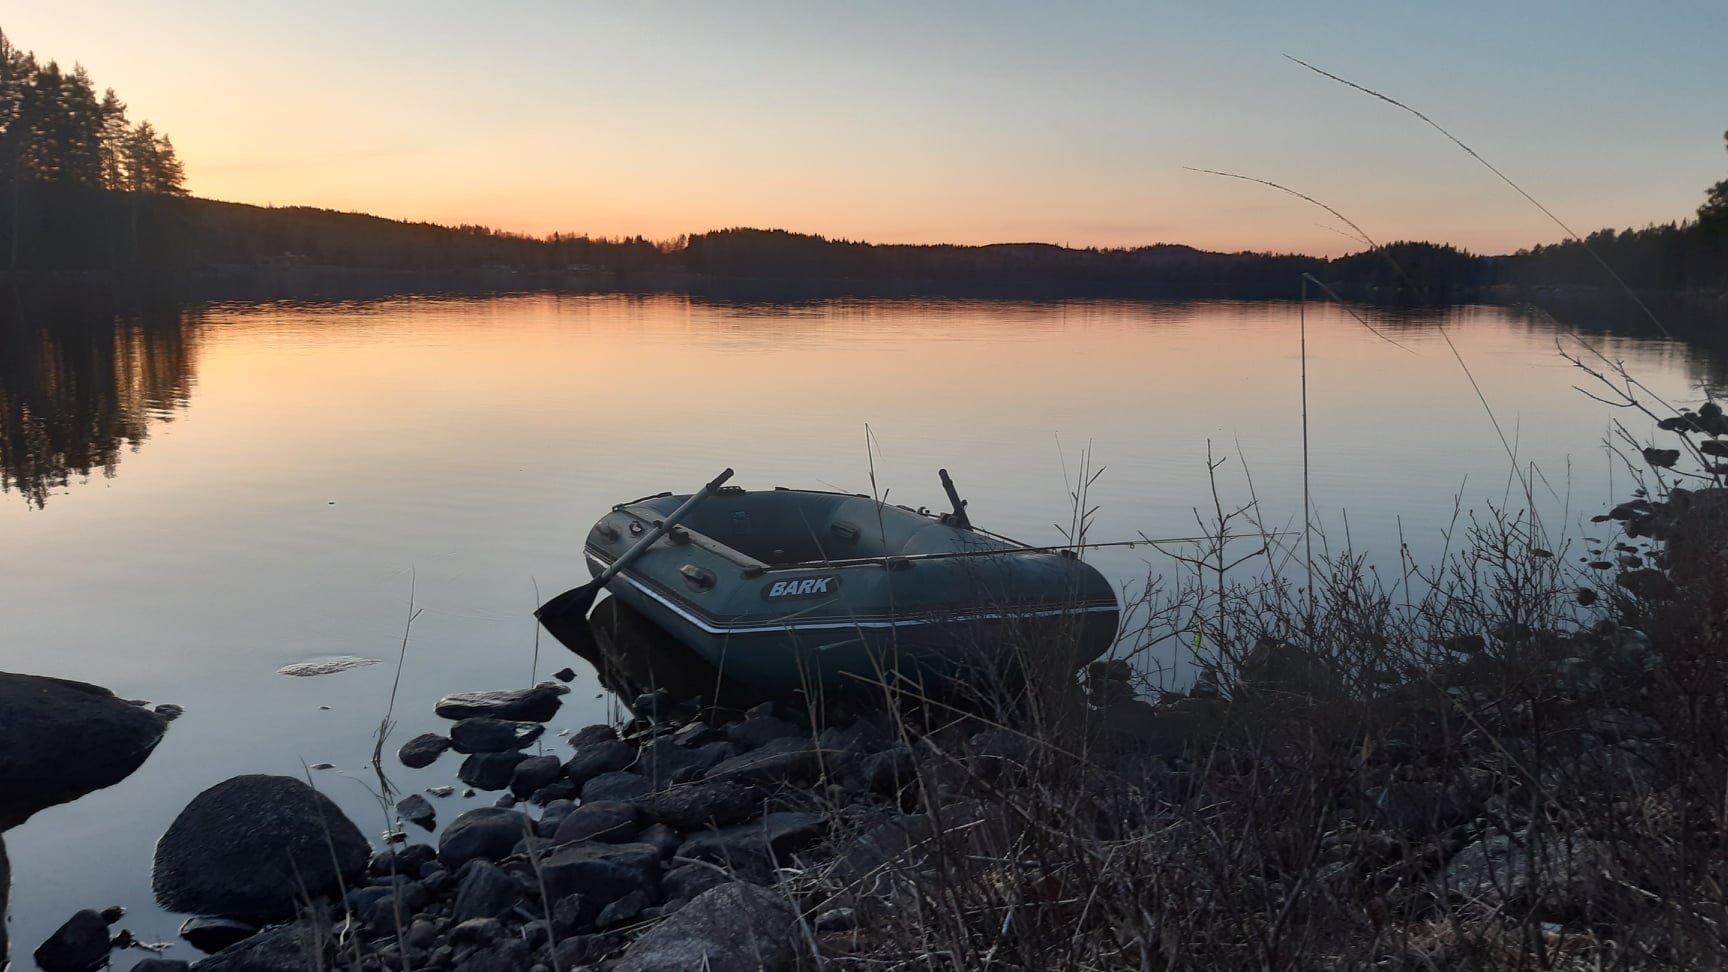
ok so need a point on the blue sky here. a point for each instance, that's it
(923, 122)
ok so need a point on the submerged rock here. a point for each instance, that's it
(252, 846)
(64, 739)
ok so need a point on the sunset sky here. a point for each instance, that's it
(930, 122)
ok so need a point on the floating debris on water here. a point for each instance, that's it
(328, 665)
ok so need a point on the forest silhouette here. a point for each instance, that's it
(87, 194)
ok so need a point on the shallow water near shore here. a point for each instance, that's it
(200, 498)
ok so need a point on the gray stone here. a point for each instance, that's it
(253, 846)
(489, 771)
(423, 750)
(601, 873)
(686, 881)
(487, 832)
(753, 733)
(888, 771)
(79, 945)
(511, 955)
(285, 948)
(589, 735)
(774, 837)
(706, 804)
(789, 759)
(210, 935)
(417, 810)
(483, 734)
(732, 928)
(665, 763)
(861, 738)
(536, 704)
(408, 859)
(614, 786)
(65, 739)
(623, 910)
(552, 815)
(533, 773)
(609, 821)
(162, 965)
(484, 891)
(663, 837)
(595, 758)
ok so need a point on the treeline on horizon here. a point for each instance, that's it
(85, 191)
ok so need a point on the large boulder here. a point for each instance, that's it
(64, 739)
(732, 928)
(252, 846)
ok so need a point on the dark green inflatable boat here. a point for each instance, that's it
(789, 589)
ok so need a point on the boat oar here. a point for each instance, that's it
(573, 604)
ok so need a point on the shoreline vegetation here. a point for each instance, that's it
(1506, 760)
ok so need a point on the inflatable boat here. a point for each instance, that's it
(790, 589)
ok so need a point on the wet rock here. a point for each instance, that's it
(790, 759)
(590, 735)
(608, 821)
(510, 955)
(887, 771)
(732, 928)
(422, 750)
(487, 832)
(662, 837)
(401, 860)
(553, 815)
(625, 909)
(79, 945)
(476, 931)
(693, 734)
(753, 733)
(483, 734)
(775, 837)
(598, 757)
(489, 771)
(211, 935)
(484, 891)
(601, 873)
(614, 786)
(533, 773)
(860, 738)
(665, 763)
(65, 739)
(706, 804)
(252, 846)
(537, 704)
(285, 948)
(162, 965)
(687, 881)
(1414, 808)
(417, 810)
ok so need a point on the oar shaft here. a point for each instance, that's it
(666, 523)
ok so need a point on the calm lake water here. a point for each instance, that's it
(195, 499)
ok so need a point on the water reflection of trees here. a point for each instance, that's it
(82, 376)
